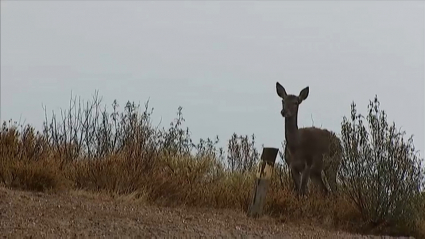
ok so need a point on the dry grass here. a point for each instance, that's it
(173, 181)
(158, 167)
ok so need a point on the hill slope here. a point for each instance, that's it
(82, 215)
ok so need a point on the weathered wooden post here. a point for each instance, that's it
(264, 173)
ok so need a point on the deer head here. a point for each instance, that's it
(290, 103)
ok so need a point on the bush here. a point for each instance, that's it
(380, 172)
(242, 154)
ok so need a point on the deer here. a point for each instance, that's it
(308, 151)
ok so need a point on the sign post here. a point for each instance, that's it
(263, 176)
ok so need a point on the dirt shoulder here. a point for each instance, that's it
(83, 215)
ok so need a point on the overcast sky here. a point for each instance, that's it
(218, 60)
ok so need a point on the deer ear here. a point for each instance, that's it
(304, 94)
(280, 91)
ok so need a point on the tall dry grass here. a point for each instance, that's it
(122, 152)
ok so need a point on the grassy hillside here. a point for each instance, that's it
(121, 152)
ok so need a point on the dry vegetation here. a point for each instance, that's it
(122, 153)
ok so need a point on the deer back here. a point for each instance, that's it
(315, 141)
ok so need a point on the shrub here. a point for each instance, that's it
(242, 154)
(380, 172)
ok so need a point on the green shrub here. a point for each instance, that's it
(380, 172)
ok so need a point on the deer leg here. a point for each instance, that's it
(304, 179)
(333, 173)
(316, 177)
(296, 178)
(295, 171)
(331, 177)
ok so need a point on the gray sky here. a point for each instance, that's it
(218, 60)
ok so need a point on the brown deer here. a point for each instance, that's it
(310, 150)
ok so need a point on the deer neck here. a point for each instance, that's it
(291, 132)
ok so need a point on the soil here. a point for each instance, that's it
(83, 215)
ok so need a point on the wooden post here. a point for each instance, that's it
(264, 173)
